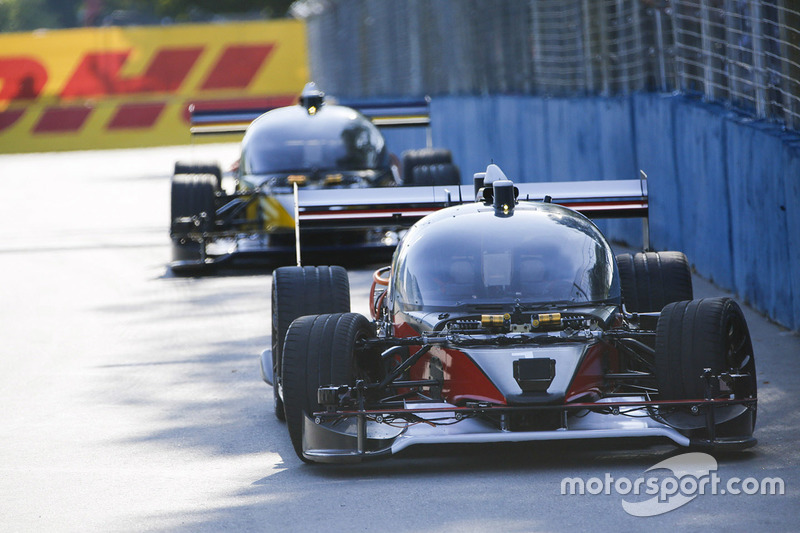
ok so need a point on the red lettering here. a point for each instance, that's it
(62, 119)
(98, 73)
(22, 78)
(237, 66)
(136, 116)
(8, 118)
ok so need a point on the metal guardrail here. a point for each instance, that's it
(742, 53)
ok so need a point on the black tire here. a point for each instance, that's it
(423, 156)
(192, 195)
(651, 280)
(708, 333)
(319, 350)
(439, 174)
(200, 168)
(300, 291)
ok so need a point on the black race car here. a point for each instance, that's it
(508, 320)
(286, 154)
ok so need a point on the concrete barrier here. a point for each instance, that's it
(791, 181)
(761, 237)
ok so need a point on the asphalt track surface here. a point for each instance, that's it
(131, 400)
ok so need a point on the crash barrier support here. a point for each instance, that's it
(724, 189)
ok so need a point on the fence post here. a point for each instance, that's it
(680, 67)
(536, 31)
(662, 69)
(709, 90)
(759, 77)
(638, 49)
(604, 51)
(587, 47)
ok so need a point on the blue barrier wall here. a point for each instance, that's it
(723, 189)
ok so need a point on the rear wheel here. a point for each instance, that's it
(425, 159)
(193, 207)
(651, 280)
(440, 174)
(319, 350)
(300, 291)
(709, 333)
(200, 168)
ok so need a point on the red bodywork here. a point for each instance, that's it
(463, 380)
(588, 381)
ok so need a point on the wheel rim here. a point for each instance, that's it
(739, 355)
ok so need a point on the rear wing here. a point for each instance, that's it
(402, 206)
(402, 113)
(221, 122)
(231, 116)
(396, 113)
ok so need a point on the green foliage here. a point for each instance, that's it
(179, 9)
(27, 15)
(24, 15)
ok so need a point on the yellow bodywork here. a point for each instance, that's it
(269, 214)
(275, 214)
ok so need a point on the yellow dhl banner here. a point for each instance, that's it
(128, 87)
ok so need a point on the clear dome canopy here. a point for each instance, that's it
(292, 139)
(467, 255)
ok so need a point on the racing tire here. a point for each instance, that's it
(708, 333)
(426, 157)
(300, 291)
(192, 195)
(439, 174)
(200, 168)
(651, 280)
(319, 350)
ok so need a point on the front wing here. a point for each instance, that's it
(355, 436)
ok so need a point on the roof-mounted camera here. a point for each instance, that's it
(312, 98)
(496, 190)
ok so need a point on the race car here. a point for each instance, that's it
(311, 146)
(508, 320)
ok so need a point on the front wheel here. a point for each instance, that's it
(193, 209)
(709, 333)
(319, 350)
(299, 291)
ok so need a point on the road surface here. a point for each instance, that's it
(132, 400)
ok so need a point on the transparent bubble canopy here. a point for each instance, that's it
(296, 139)
(468, 255)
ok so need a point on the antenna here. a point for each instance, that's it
(646, 219)
(297, 223)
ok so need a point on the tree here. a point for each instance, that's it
(181, 9)
(24, 15)
(27, 15)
